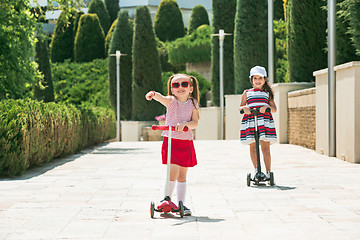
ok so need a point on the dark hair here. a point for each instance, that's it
(266, 88)
(193, 82)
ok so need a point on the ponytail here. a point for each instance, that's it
(268, 89)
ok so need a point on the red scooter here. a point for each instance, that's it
(167, 205)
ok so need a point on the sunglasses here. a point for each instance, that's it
(177, 85)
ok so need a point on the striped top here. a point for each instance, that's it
(178, 112)
(257, 98)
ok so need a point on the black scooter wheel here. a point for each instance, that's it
(272, 182)
(248, 179)
(152, 209)
(181, 209)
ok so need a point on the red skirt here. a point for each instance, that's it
(182, 152)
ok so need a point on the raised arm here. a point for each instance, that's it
(164, 100)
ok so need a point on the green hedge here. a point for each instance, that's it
(192, 48)
(33, 132)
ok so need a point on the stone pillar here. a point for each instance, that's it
(232, 117)
(281, 100)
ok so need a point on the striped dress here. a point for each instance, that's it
(257, 98)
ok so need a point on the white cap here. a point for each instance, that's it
(258, 70)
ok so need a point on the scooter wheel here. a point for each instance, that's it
(248, 179)
(152, 209)
(181, 209)
(272, 183)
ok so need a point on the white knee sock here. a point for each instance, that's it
(181, 191)
(171, 188)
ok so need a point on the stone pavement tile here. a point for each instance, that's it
(84, 229)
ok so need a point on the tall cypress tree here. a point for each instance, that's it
(62, 44)
(89, 40)
(121, 40)
(199, 16)
(306, 38)
(113, 8)
(146, 67)
(42, 58)
(168, 23)
(98, 7)
(223, 18)
(251, 45)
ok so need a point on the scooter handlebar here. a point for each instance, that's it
(157, 127)
(256, 110)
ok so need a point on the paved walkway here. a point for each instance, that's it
(105, 192)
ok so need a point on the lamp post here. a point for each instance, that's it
(221, 35)
(118, 55)
(332, 76)
(271, 41)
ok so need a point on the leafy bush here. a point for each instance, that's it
(199, 16)
(82, 83)
(33, 132)
(168, 22)
(146, 67)
(17, 47)
(282, 74)
(89, 40)
(192, 48)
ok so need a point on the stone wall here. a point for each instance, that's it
(302, 118)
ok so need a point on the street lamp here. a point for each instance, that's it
(221, 35)
(118, 55)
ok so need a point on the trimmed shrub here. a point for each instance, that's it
(166, 66)
(192, 48)
(223, 18)
(168, 23)
(146, 67)
(113, 8)
(199, 16)
(82, 83)
(89, 40)
(98, 7)
(76, 22)
(306, 39)
(62, 44)
(251, 45)
(122, 40)
(108, 37)
(278, 10)
(44, 90)
(32, 132)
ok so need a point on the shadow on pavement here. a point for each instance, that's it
(278, 187)
(56, 162)
(190, 219)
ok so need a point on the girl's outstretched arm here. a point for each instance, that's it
(158, 97)
(243, 104)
